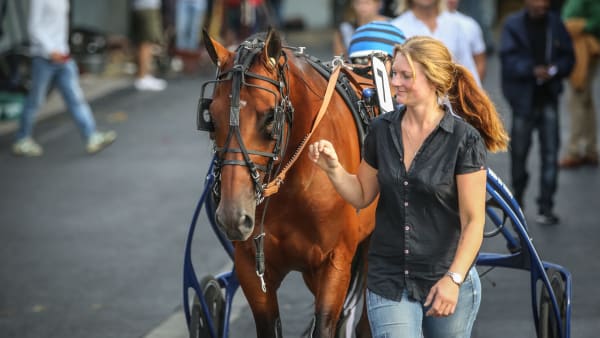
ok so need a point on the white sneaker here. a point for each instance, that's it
(149, 82)
(27, 147)
(99, 141)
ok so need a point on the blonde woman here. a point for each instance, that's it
(428, 167)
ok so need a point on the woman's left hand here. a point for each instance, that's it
(442, 298)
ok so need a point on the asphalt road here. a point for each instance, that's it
(93, 246)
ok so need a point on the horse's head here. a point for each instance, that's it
(247, 117)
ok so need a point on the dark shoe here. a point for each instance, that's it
(590, 160)
(547, 218)
(570, 162)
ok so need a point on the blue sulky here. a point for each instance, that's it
(208, 315)
(552, 312)
(208, 295)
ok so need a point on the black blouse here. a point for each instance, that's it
(417, 219)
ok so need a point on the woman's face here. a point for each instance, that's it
(407, 89)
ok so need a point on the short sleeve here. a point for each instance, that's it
(369, 152)
(473, 155)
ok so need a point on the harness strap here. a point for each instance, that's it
(273, 186)
(347, 93)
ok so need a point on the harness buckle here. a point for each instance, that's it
(338, 60)
(263, 285)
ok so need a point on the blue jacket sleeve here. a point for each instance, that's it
(514, 54)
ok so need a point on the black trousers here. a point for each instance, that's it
(543, 118)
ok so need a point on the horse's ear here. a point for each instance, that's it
(217, 52)
(272, 50)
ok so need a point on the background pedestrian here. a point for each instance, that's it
(582, 19)
(52, 64)
(147, 29)
(473, 35)
(536, 55)
(361, 12)
(430, 18)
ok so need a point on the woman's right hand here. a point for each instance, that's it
(324, 155)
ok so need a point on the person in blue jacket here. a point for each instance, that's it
(536, 54)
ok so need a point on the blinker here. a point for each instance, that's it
(203, 120)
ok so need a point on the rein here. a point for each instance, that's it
(273, 186)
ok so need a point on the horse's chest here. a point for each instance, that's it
(298, 251)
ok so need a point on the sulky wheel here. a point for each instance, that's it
(215, 301)
(548, 325)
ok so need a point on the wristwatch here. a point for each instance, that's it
(456, 277)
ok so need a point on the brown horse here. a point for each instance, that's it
(264, 104)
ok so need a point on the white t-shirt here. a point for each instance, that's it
(473, 32)
(449, 30)
(48, 27)
(146, 4)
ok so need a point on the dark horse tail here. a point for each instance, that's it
(353, 317)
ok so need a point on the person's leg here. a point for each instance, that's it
(549, 140)
(149, 33)
(197, 15)
(389, 318)
(144, 58)
(181, 20)
(520, 144)
(67, 81)
(576, 105)
(183, 17)
(460, 323)
(589, 130)
(42, 72)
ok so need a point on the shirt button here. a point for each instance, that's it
(405, 204)
(406, 272)
(406, 228)
(406, 251)
(405, 182)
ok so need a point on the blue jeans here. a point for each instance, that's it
(544, 117)
(188, 18)
(66, 77)
(406, 319)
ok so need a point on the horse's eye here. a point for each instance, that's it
(268, 123)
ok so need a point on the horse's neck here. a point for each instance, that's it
(306, 87)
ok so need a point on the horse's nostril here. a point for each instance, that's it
(247, 222)
(235, 230)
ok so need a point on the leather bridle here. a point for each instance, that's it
(282, 114)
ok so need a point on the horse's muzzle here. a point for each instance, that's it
(237, 224)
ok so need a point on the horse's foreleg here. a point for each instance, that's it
(263, 304)
(332, 279)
